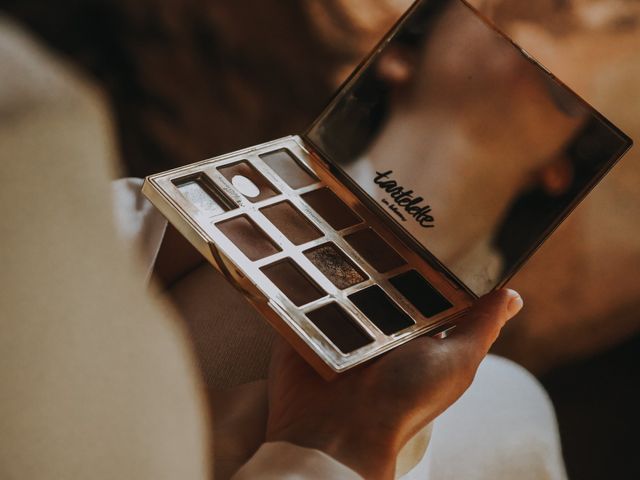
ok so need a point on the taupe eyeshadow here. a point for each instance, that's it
(293, 282)
(284, 163)
(378, 253)
(248, 237)
(245, 169)
(291, 222)
(335, 265)
(339, 327)
(420, 293)
(381, 310)
(331, 208)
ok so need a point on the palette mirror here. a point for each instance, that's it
(472, 149)
(439, 167)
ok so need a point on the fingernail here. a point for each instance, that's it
(515, 303)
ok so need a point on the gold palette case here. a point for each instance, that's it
(343, 237)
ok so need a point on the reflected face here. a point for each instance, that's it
(452, 114)
(471, 76)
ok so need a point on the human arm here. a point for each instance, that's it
(364, 417)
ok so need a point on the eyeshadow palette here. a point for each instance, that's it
(403, 202)
(307, 252)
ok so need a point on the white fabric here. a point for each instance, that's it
(137, 221)
(503, 427)
(281, 460)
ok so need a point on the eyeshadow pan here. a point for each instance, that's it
(249, 181)
(335, 265)
(201, 192)
(293, 282)
(285, 164)
(331, 208)
(381, 310)
(291, 222)
(248, 237)
(339, 327)
(378, 253)
(420, 293)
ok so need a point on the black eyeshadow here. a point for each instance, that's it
(381, 310)
(420, 293)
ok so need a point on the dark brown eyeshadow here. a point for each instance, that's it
(378, 253)
(381, 310)
(245, 169)
(420, 293)
(339, 327)
(331, 208)
(293, 282)
(335, 265)
(285, 164)
(202, 192)
(291, 222)
(248, 237)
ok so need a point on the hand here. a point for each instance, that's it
(365, 416)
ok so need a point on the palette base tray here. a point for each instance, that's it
(321, 266)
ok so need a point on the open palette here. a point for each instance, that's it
(357, 236)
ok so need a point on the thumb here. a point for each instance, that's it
(482, 324)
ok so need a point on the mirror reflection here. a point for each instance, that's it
(474, 149)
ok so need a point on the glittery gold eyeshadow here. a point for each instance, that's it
(288, 167)
(248, 181)
(291, 222)
(339, 327)
(202, 192)
(248, 237)
(335, 265)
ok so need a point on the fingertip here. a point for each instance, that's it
(515, 303)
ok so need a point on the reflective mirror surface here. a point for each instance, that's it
(469, 145)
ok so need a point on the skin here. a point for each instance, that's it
(364, 417)
(486, 140)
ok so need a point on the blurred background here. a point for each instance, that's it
(189, 79)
